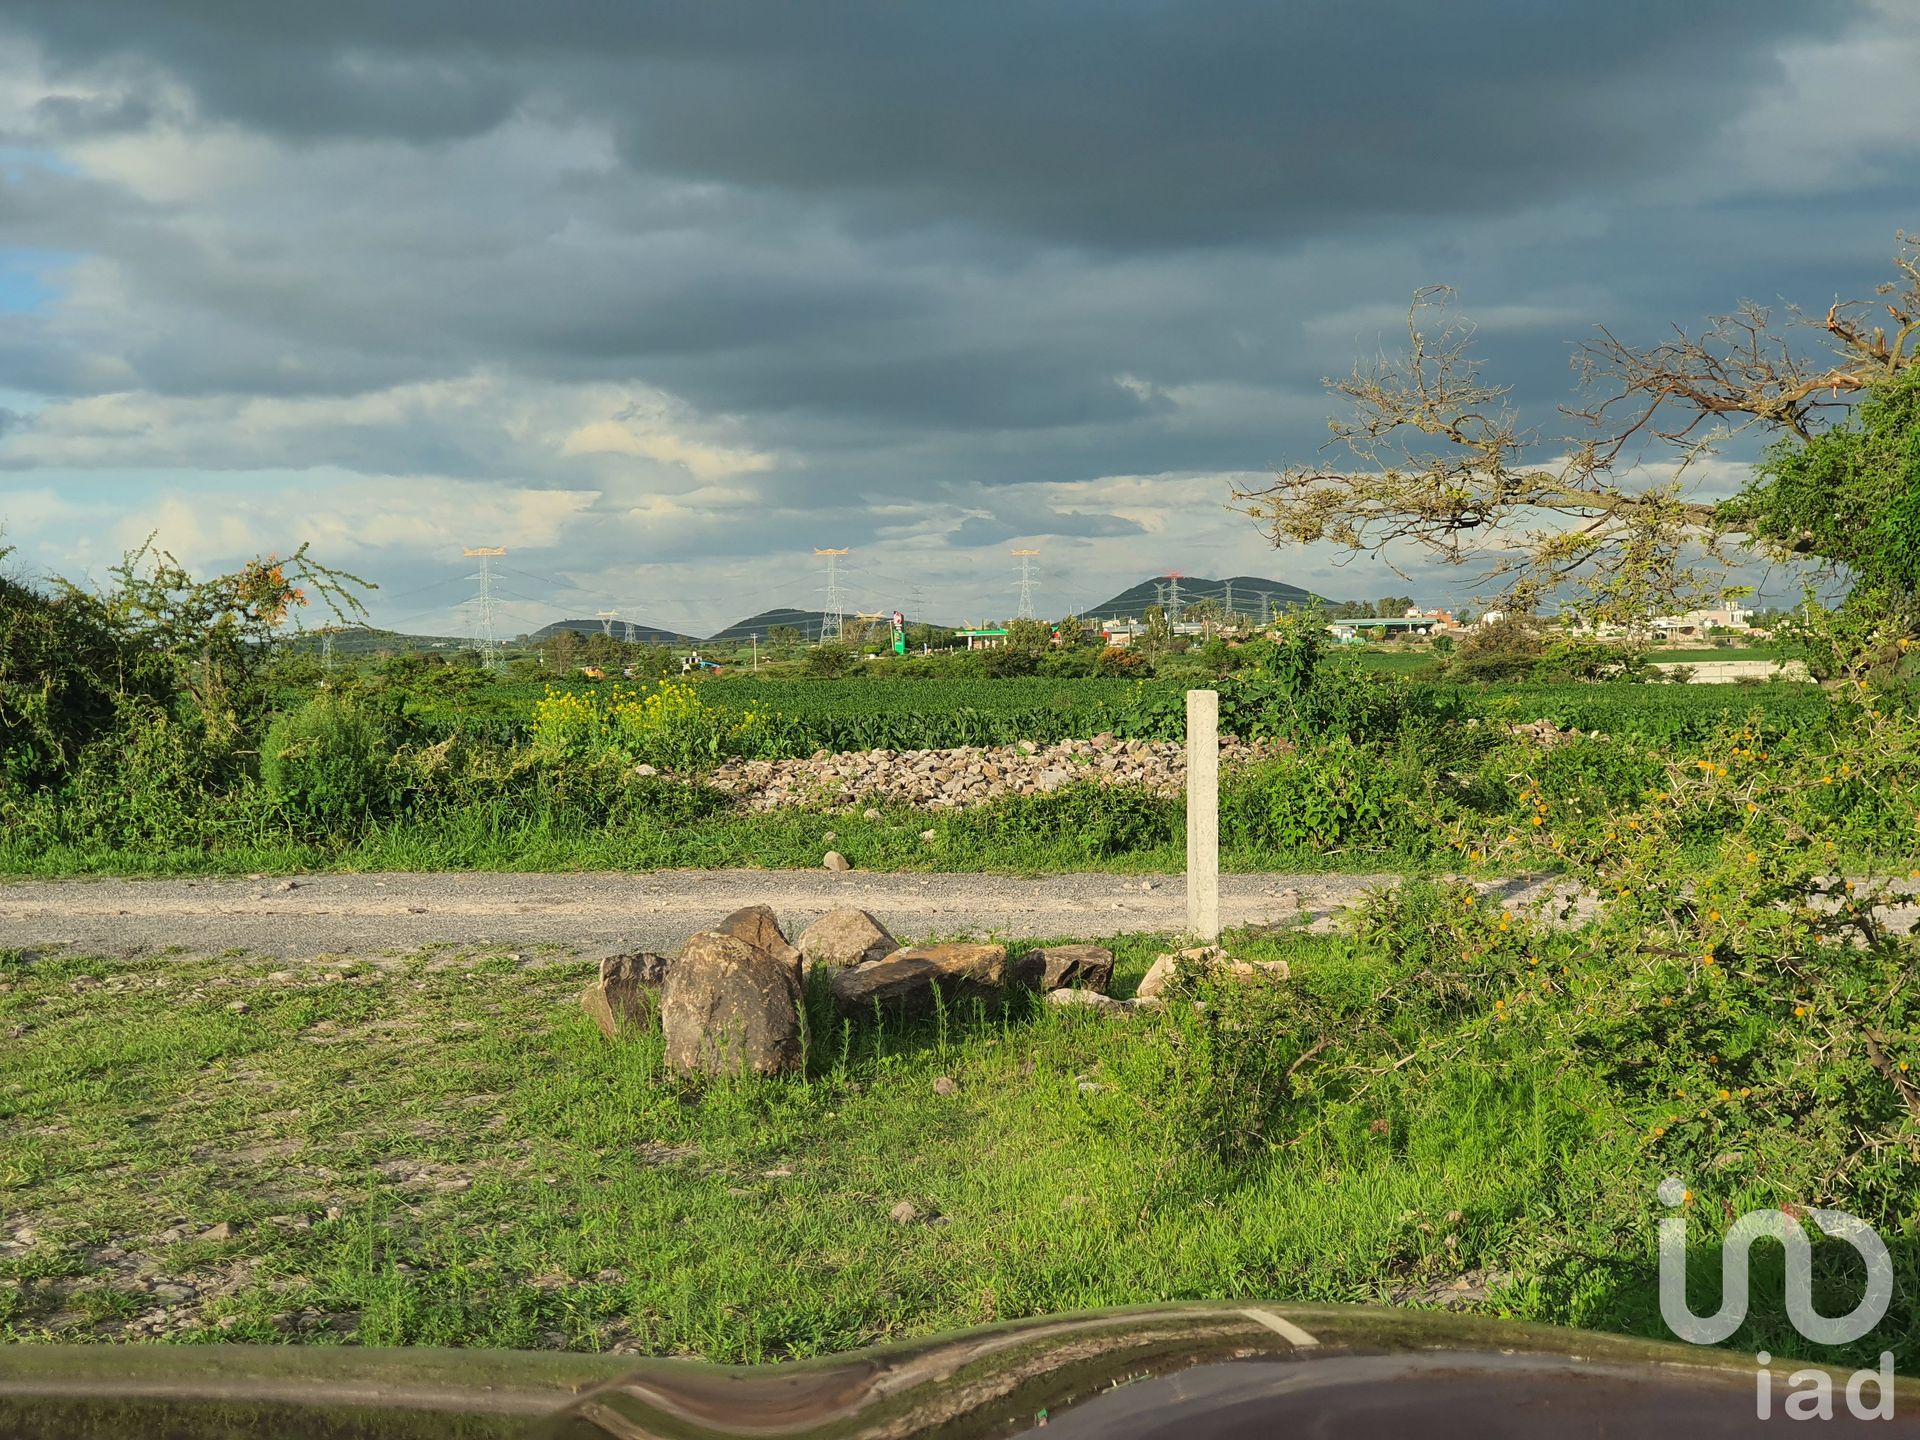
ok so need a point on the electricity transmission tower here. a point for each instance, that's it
(1173, 595)
(487, 554)
(833, 615)
(1026, 583)
(629, 632)
(607, 617)
(1229, 605)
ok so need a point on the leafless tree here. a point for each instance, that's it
(1432, 457)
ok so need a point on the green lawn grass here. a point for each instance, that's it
(439, 1149)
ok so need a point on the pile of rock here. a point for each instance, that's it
(731, 1001)
(1546, 734)
(971, 775)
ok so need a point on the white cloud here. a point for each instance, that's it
(499, 424)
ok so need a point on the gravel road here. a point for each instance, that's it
(595, 914)
(603, 913)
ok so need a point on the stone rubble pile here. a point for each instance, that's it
(970, 775)
(733, 1001)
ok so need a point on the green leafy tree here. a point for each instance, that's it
(561, 650)
(1029, 637)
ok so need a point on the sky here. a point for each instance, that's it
(662, 298)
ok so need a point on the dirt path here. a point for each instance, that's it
(602, 913)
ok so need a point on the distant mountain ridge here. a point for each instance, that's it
(642, 632)
(1251, 595)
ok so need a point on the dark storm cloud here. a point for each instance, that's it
(1110, 123)
(899, 260)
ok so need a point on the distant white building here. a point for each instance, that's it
(1704, 622)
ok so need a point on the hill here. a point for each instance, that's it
(1251, 596)
(363, 640)
(807, 622)
(622, 630)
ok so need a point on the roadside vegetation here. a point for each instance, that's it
(156, 728)
(1444, 1101)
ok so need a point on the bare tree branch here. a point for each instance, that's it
(1437, 461)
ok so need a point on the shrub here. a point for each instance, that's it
(1332, 797)
(830, 658)
(327, 763)
(1094, 821)
(1506, 649)
(670, 725)
(1004, 660)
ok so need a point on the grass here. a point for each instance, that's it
(503, 835)
(439, 1149)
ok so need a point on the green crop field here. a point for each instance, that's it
(869, 712)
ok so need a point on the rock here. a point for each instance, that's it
(870, 814)
(755, 925)
(645, 770)
(927, 836)
(834, 860)
(729, 1007)
(1087, 1000)
(626, 996)
(906, 982)
(844, 938)
(225, 1230)
(905, 1213)
(1206, 959)
(1160, 974)
(1059, 967)
(946, 1085)
(1157, 977)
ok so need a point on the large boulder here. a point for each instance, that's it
(627, 994)
(906, 982)
(729, 1008)
(755, 925)
(844, 938)
(1066, 967)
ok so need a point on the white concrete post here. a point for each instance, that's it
(1203, 815)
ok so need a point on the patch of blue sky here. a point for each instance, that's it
(15, 159)
(27, 278)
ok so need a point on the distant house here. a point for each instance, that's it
(1353, 632)
(1704, 622)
